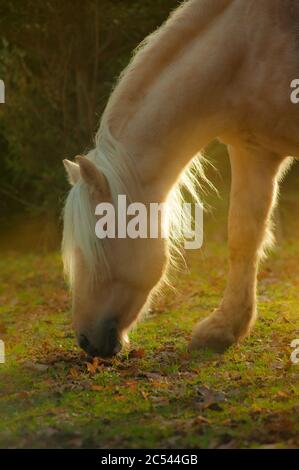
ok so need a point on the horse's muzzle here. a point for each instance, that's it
(107, 345)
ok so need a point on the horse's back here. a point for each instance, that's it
(289, 12)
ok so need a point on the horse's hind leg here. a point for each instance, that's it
(254, 187)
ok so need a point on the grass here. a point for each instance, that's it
(157, 394)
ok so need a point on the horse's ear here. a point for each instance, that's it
(72, 170)
(95, 179)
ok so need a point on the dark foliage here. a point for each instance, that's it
(59, 61)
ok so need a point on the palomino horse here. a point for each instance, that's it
(216, 69)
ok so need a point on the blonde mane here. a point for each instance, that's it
(79, 218)
(116, 164)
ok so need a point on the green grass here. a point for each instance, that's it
(164, 397)
(161, 396)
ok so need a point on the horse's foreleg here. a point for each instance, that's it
(254, 187)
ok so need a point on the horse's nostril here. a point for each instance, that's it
(107, 344)
(83, 342)
(114, 345)
(117, 348)
(112, 335)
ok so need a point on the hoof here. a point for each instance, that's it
(209, 334)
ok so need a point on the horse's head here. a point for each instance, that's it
(111, 278)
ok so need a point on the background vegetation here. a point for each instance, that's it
(59, 60)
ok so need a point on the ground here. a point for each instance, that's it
(156, 394)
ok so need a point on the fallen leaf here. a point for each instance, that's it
(282, 394)
(210, 398)
(160, 401)
(74, 373)
(200, 420)
(130, 384)
(75, 443)
(136, 354)
(36, 366)
(151, 376)
(49, 432)
(97, 388)
(93, 366)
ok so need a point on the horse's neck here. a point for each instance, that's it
(160, 50)
(156, 111)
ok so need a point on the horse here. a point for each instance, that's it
(216, 69)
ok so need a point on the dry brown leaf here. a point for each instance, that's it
(210, 398)
(200, 420)
(97, 388)
(74, 373)
(36, 366)
(93, 366)
(136, 354)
